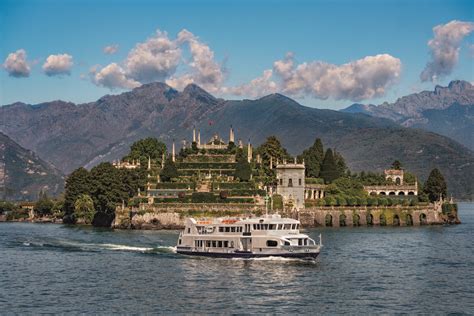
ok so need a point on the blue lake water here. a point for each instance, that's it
(47, 268)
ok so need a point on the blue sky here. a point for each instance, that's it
(246, 39)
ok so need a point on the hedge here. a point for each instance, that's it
(205, 165)
(233, 185)
(176, 185)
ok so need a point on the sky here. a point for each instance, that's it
(324, 54)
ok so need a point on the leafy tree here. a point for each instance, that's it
(169, 171)
(84, 208)
(243, 170)
(397, 165)
(409, 178)
(144, 148)
(272, 148)
(346, 186)
(44, 205)
(6, 206)
(313, 158)
(340, 163)
(77, 184)
(329, 171)
(107, 191)
(435, 186)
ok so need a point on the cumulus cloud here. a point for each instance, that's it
(57, 65)
(204, 70)
(111, 49)
(444, 49)
(153, 60)
(112, 76)
(16, 64)
(257, 87)
(160, 58)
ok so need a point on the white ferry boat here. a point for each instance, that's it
(269, 235)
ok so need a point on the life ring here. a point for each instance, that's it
(209, 229)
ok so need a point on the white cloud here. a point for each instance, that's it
(153, 60)
(205, 71)
(365, 78)
(112, 76)
(255, 88)
(444, 49)
(111, 49)
(56, 65)
(16, 64)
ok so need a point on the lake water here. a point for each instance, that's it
(47, 268)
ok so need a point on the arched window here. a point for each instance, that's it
(397, 181)
(290, 182)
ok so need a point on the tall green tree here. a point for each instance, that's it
(272, 148)
(397, 165)
(340, 163)
(84, 209)
(329, 171)
(169, 171)
(243, 171)
(313, 158)
(107, 191)
(435, 186)
(144, 148)
(77, 184)
(44, 205)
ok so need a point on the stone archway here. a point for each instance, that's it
(328, 220)
(342, 220)
(423, 219)
(373, 193)
(409, 220)
(370, 219)
(391, 193)
(401, 193)
(411, 193)
(396, 220)
(356, 220)
(383, 193)
(383, 220)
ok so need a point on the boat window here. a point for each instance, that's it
(232, 229)
(293, 226)
(221, 229)
(214, 243)
(208, 243)
(254, 226)
(219, 244)
(287, 226)
(231, 244)
(297, 226)
(226, 243)
(179, 241)
(272, 243)
(300, 242)
(227, 229)
(280, 226)
(287, 243)
(271, 226)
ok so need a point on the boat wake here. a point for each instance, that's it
(280, 259)
(96, 247)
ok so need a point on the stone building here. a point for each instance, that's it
(398, 188)
(291, 183)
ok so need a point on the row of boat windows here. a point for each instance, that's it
(275, 226)
(230, 229)
(214, 243)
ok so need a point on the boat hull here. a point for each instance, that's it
(249, 255)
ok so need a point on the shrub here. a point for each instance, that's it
(223, 195)
(203, 197)
(382, 202)
(372, 201)
(351, 201)
(277, 202)
(361, 201)
(329, 201)
(341, 201)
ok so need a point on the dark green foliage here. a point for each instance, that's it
(243, 170)
(44, 205)
(397, 165)
(77, 184)
(231, 146)
(346, 186)
(277, 201)
(329, 169)
(6, 207)
(340, 163)
(169, 171)
(370, 178)
(272, 148)
(144, 148)
(107, 190)
(435, 187)
(313, 158)
(409, 178)
(233, 186)
(204, 197)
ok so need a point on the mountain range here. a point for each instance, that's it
(447, 111)
(23, 174)
(70, 135)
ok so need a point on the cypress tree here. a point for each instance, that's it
(169, 171)
(313, 157)
(329, 171)
(435, 186)
(243, 170)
